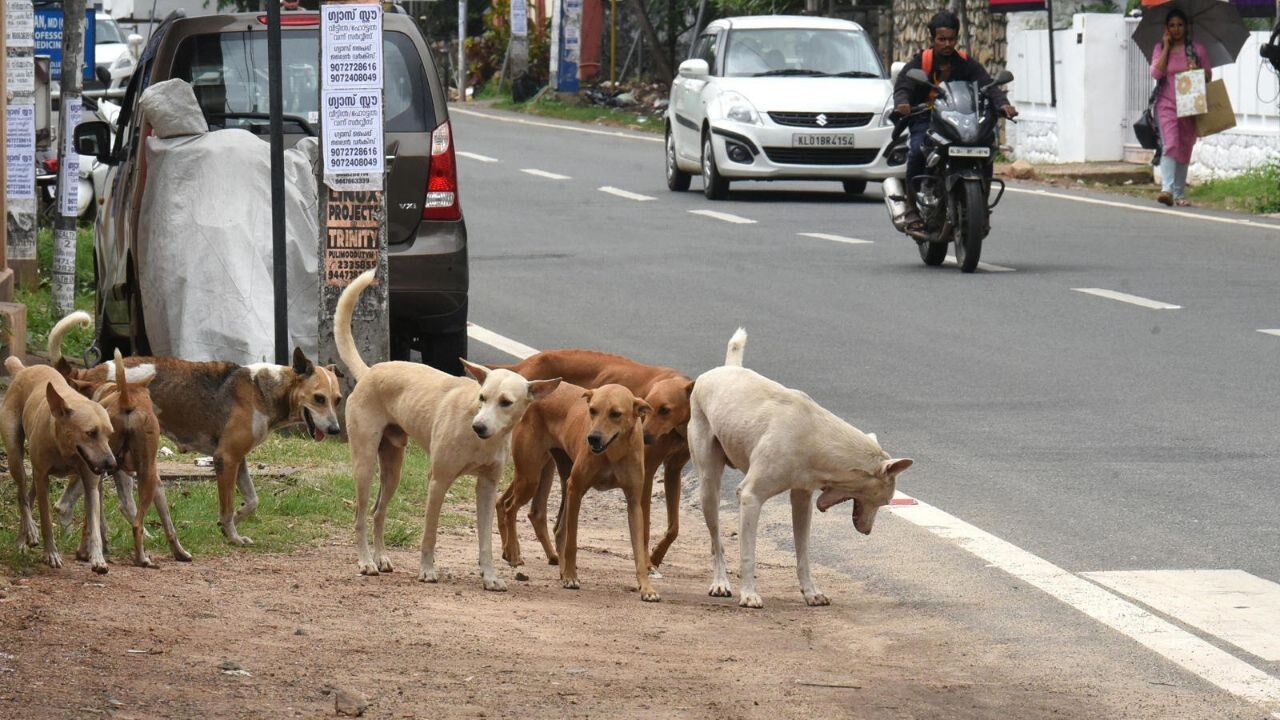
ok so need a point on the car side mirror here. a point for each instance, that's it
(916, 75)
(895, 70)
(1003, 77)
(103, 74)
(94, 138)
(695, 68)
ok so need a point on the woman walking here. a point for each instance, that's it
(1177, 53)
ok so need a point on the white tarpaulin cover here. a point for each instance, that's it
(204, 240)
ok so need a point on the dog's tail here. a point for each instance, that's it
(14, 365)
(342, 324)
(122, 381)
(737, 345)
(63, 327)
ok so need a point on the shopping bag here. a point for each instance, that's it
(1220, 115)
(1189, 90)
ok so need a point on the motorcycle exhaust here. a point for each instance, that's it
(895, 201)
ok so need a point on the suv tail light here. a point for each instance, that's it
(442, 178)
(293, 19)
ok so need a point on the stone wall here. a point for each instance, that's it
(984, 38)
(1035, 136)
(1232, 153)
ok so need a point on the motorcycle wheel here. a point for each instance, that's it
(971, 216)
(932, 253)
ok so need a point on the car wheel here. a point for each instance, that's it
(444, 350)
(855, 187)
(677, 179)
(714, 185)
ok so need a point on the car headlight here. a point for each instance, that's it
(888, 110)
(737, 108)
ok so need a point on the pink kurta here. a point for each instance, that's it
(1177, 134)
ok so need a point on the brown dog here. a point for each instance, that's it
(603, 437)
(226, 410)
(135, 440)
(66, 435)
(664, 389)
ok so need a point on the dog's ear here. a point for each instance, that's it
(63, 367)
(587, 395)
(336, 371)
(479, 372)
(539, 389)
(86, 387)
(301, 364)
(894, 466)
(688, 389)
(642, 408)
(57, 405)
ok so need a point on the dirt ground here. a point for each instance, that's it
(273, 636)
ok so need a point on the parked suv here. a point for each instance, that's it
(224, 57)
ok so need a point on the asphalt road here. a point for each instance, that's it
(1096, 434)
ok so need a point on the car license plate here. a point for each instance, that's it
(970, 152)
(804, 140)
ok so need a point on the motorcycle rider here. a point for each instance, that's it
(942, 62)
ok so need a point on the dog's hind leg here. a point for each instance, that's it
(66, 505)
(486, 488)
(709, 461)
(390, 465)
(124, 491)
(11, 429)
(364, 453)
(538, 514)
(247, 491)
(171, 534)
(671, 488)
(801, 516)
(749, 503)
(441, 479)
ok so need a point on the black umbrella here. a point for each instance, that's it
(1213, 23)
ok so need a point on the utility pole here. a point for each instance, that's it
(64, 243)
(462, 51)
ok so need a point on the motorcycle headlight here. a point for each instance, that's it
(959, 121)
(737, 108)
(888, 110)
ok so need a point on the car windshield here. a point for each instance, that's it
(228, 72)
(105, 32)
(796, 51)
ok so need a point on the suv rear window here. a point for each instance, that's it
(228, 72)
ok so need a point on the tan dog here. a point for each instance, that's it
(782, 440)
(227, 410)
(601, 432)
(664, 389)
(65, 435)
(135, 440)
(465, 425)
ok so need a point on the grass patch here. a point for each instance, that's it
(306, 495)
(548, 105)
(41, 315)
(1257, 191)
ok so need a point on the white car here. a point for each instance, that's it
(780, 97)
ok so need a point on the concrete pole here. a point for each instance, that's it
(64, 242)
(6, 275)
(20, 206)
(462, 51)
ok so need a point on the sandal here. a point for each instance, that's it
(1165, 198)
(915, 226)
(1182, 202)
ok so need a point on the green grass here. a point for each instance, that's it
(306, 495)
(41, 314)
(549, 105)
(1257, 191)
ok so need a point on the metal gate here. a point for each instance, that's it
(1138, 86)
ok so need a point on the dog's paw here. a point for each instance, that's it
(720, 590)
(82, 554)
(816, 599)
(654, 574)
(181, 555)
(495, 585)
(243, 540)
(522, 577)
(650, 596)
(384, 564)
(99, 566)
(53, 559)
(429, 576)
(553, 560)
(145, 562)
(368, 568)
(751, 600)
(569, 583)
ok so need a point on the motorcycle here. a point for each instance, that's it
(953, 194)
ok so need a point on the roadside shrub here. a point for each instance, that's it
(1257, 190)
(486, 52)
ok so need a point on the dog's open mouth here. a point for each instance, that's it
(830, 498)
(597, 450)
(316, 433)
(94, 467)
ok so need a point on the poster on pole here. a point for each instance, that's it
(69, 172)
(353, 139)
(20, 152)
(351, 46)
(20, 27)
(20, 73)
(519, 18)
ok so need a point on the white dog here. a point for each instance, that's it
(782, 440)
(464, 424)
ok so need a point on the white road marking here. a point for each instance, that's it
(724, 216)
(453, 108)
(836, 238)
(1182, 215)
(545, 174)
(1240, 608)
(988, 267)
(1271, 332)
(477, 156)
(493, 339)
(1181, 647)
(1131, 299)
(626, 194)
